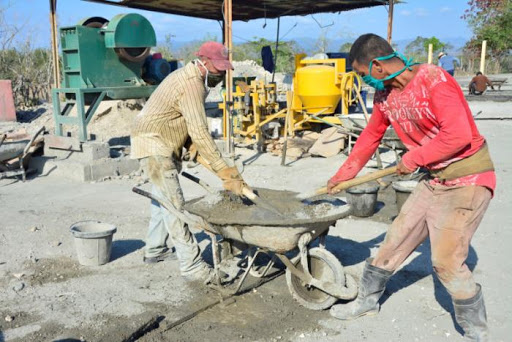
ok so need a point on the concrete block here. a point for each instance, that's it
(85, 171)
(68, 169)
(91, 151)
(113, 167)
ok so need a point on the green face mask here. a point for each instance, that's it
(379, 84)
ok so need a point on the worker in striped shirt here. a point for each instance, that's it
(174, 118)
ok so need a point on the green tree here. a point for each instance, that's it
(490, 20)
(418, 48)
(437, 45)
(188, 51)
(252, 50)
(345, 47)
(166, 47)
(322, 43)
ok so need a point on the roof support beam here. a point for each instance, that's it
(228, 42)
(55, 43)
(390, 20)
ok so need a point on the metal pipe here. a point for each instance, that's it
(277, 48)
(228, 42)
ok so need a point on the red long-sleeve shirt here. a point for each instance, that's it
(433, 120)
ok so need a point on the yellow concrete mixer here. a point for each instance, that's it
(319, 86)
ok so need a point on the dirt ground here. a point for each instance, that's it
(47, 296)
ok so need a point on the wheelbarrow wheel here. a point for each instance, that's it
(324, 266)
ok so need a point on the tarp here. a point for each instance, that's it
(245, 10)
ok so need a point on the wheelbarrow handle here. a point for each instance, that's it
(167, 205)
(29, 145)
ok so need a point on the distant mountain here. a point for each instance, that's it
(307, 44)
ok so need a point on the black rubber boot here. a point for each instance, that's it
(371, 287)
(471, 316)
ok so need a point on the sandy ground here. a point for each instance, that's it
(46, 295)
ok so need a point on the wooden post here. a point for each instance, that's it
(390, 20)
(55, 42)
(228, 42)
(430, 48)
(482, 57)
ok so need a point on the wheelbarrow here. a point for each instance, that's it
(315, 277)
(16, 149)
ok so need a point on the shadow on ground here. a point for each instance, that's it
(351, 252)
(121, 248)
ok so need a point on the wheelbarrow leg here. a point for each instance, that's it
(251, 258)
(321, 239)
(268, 266)
(215, 254)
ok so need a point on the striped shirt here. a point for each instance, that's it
(174, 112)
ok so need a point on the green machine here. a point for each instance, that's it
(101, 60)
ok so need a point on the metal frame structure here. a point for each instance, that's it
(77, 97)
(222, 10)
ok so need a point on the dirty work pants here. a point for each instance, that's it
(450, 217)
(163, 174)
(472, 89)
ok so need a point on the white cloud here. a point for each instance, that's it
(421, 12)
(405, 13)
(445, 9)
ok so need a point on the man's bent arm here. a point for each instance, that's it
(192, 106)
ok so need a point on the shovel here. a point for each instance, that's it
(350, 183)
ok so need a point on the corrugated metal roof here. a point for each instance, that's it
(246, 9)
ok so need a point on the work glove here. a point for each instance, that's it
(192, 153)
(232, 180)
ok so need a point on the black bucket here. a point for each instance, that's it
(403, 190)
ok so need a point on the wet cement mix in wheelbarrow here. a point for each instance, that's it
(227, 208)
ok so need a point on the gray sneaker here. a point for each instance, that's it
(170, 254)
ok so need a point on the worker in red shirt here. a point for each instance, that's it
(429, 113)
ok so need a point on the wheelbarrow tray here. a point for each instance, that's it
(277, 239)
(12, 149)
(274, 233)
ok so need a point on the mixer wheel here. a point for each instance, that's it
(324, 266)
(95, 22)
(137, 55)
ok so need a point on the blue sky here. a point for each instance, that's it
(440, 18)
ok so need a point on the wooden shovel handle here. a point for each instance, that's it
(353, 182)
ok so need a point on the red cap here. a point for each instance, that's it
(217, 53)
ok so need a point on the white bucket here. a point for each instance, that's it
(93, 242)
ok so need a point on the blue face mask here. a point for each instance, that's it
(379, 84)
